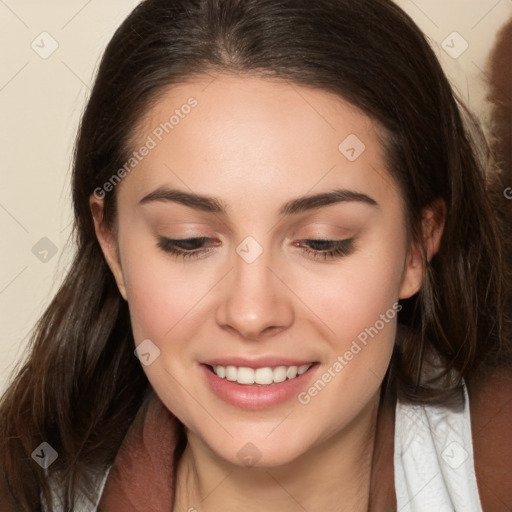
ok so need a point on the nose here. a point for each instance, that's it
(255, 302)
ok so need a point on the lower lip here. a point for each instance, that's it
(254, 396)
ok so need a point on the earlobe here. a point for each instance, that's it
(107, 243)
(413, 273)
(432, 226)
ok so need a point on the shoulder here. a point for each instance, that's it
(490, 404)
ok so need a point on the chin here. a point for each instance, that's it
(261, 451)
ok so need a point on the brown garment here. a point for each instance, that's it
(143, 475)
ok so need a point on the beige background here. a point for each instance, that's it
(41, 100)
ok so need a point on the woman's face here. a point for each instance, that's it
(299, 256)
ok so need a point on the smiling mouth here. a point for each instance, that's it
(265, 376)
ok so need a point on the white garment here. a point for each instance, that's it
(83, 503)
(433, 459)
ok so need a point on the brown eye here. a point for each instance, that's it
(185, 247)
(327, 249)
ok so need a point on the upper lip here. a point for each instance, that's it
(257, 362)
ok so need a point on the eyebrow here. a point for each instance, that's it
(299, 205)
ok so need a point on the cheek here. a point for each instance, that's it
(163, 305)
(159, 295)
(353, 295)
(360, 311)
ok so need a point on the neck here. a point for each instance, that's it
(335, 470)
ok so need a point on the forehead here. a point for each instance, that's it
(244, 136)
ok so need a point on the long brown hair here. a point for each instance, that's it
(82, 385)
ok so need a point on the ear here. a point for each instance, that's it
(107, 242)
(432, 226)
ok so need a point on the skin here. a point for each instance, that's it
(256, 144)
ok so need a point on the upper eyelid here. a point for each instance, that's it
(206, 239)
(189, 238)
(313, 225)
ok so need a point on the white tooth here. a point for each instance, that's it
(291, 372)
(231, 373)
(245, 375)
(279, 374)
(302, 369)
(263, 376)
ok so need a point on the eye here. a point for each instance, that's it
(326, 249)
(200, 246)
(186, 247)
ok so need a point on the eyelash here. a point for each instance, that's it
(339, 248)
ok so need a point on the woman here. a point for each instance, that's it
(278, 207)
